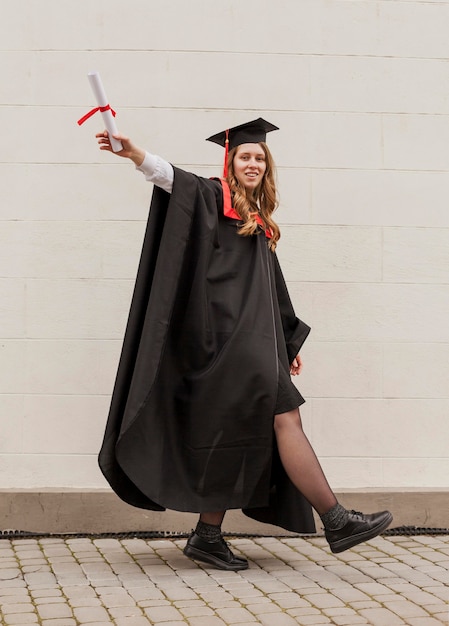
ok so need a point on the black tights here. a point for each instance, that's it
(300, 463)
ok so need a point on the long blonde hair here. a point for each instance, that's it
(262, 201)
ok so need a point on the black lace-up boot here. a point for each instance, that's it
(216, 553)
(358, 528)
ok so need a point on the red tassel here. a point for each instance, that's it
(225, 167)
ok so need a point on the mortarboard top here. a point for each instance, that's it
(250, 132)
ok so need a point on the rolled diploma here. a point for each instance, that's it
(102, 101)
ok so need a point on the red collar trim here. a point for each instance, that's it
(228, 209)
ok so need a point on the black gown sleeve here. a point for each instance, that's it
(295, 330)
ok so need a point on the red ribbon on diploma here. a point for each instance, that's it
(102, 109)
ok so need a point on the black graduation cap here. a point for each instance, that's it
(250, 132)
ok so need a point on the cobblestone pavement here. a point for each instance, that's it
(134, 582)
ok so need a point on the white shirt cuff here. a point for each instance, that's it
(157, 171)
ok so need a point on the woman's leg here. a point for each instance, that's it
(214, 519)
(301, 463)
(343, 529)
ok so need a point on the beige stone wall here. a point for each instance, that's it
(360, 90)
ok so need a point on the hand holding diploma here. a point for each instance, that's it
(105, 108)
(128, 151)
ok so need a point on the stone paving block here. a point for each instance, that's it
(113, 601)
(126, 568)
(149, 603)
(22, 618)
(40, 579)
(55, 560)
(234, 616)
(350, 594)
(8, 564)
(339, 612)
(132, 621)
(436, 609)
(324, 600)
(145, 593)
(59, 549)
(107, 590)
(227, 604)
(13, 609)
(34, 567)
(71, 580)
(206, 621)
(16, 598)
(310, 590)
(59, 622)
(125, 611)
(71, 567)
(405, 608)
(6, 551)
(386, 598)
(91, 614)
(54, 611)
(215, 596)
(50, 600)
(171, 623)
(46, 593)
(179, 593)
(349, 621)
(288, 600)
(246, 593)
(300, 612)
(196, 611)
(263, 608)
(73, 591)
(279, 619)
(11, 586)
(163, 614)
(373, 589)
(79, 601)
(307, 620)
(369, 604)
(244, 624)
(420, 597)
(271, 586)
(108, 623)
(221, 576)
(102, 582)
(381, 617)
(26, 553)
(10, 574)
(427, 621)
(134, 580)
(180, 604)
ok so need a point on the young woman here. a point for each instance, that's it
(204, 416)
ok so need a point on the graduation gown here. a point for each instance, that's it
(190, 426)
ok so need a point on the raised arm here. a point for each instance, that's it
(155, 169)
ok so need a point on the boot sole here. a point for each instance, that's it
(205, 557)
(354, 540)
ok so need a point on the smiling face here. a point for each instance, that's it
(249, 165)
